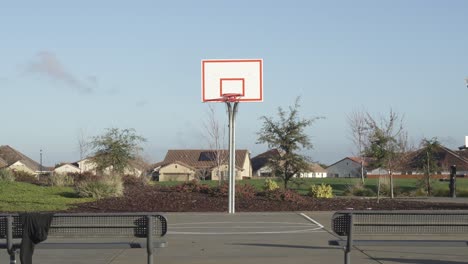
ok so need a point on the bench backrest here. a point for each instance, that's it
(101, 225)
(400, 222)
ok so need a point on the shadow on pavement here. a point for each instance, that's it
(282, 246)
(420, 261)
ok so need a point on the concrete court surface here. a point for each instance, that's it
(244, 238)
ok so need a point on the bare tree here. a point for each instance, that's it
(359, 135)
(83, 145)
(216, 135)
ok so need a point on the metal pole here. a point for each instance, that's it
(349, 243)
(232, 109)
(149, 239)
(9, 238)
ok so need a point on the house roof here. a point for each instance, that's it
(10, 156)
(65, 164)
(315, 167)
(180, 163)
(3, 163)
(444, 156)
(354, 159)
(201, 158)
(262, 160)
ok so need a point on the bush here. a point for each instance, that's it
(57, 179)
(85, 176)
(270, 185)
(100, 188)
(321, 191)
(421, 191)
(134, 180)
(22, 176)
(245, 191)
(6, 175)
(189, 186)
(385, 187)
(284, 195)
(219, 191)
(359, 189)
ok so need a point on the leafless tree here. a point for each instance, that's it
(359, 135)
(83, 145)
(216, 135)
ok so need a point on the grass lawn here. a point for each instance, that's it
(339, 185)
(22, 197)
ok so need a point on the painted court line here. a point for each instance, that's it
(233, 228)
(311, 220)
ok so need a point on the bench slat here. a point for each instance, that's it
(402, 243)
(84, 245)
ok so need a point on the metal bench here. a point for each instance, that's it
(122, 231)
(368, 223)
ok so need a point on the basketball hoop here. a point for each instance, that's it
(227, 97)
(231, 97)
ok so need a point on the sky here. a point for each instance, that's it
(72, 69)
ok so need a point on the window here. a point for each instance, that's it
(207, 156)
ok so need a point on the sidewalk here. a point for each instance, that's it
(436, 199)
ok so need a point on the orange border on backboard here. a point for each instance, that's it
(260, 74)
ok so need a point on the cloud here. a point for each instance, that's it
(47, 64)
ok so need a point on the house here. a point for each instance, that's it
(16, 161)
(445, 159)
(136, 167)
(66, 168)
(260, 162)
(183, 165)
(3, 163)
(314, 171)
(349, 167)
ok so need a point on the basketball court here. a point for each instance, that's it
(247, 238)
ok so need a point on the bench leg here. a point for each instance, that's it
(149, 239)
(349, 243)
(13, 257)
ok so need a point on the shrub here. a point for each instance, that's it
(245, 191)
(359, 189)
(135, 180)
(321, 191)
(100, 187)
(85, 176)
(270, 185)
(6, 175)
(385, 187)
(364, 192)
(284, 195)
(220, 191)
(57, 179)
(421, 191)
(189, 186)
(22, 176)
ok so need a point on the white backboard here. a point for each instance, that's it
(232, 76)
(466, 141)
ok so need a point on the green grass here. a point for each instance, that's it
(340, 185)
(26, 197)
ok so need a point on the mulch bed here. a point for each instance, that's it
(138, 198)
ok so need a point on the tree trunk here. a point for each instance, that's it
(362, 172)
(391, 185)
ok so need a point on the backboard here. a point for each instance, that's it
(243, 77)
